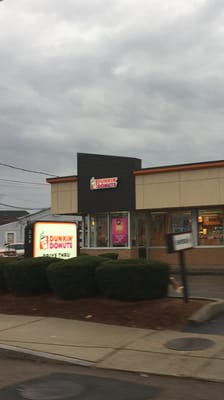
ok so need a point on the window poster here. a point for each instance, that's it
(119, 231)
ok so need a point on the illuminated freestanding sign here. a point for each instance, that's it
(51, 239)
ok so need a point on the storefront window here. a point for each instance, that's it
(163, 223)
(86, 231)
(104, 230)
(119, 229)
(159, 224)
(180, 222)
(99, 230)
(210, 227)
(139, 231)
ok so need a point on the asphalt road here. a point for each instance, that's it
(206, 286)
(23, 379)
(213, 327)
(211, 286)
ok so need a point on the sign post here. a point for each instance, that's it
(178, 242)
(183, 275)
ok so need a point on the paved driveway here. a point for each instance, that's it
(208, 286)
(211, 286)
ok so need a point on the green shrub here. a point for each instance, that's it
(74, 278)
(4, 262)
(27, 276)
(133, 281)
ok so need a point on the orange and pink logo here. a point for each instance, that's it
(103, 183)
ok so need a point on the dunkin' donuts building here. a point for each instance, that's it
(129, 210)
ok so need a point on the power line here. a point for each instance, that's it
(27, 170)
(22, 208)
(29, 183)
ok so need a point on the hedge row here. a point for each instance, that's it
(86, 276)
(74, 278)
(133, 280)
(25, 276)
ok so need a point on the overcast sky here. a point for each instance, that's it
(139, 78)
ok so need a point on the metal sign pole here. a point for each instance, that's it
(183, 275)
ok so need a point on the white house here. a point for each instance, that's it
(14, 232)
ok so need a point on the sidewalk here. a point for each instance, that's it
(112, 347)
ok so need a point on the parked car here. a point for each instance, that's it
(15, 249)
(4, 252)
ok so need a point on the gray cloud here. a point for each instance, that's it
(129, 77)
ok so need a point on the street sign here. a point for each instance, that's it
(179, 241)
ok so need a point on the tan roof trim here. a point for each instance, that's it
(177, 168)
(62, 179)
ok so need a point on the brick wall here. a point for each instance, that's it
(194, 257)
(203, 257)
(123, 253)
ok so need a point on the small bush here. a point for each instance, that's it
(74, 278)
(27, 276)
(4, 262)
(133, 281)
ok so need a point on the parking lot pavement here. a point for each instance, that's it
(208, 286)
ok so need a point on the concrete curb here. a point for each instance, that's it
(31, 355)
(208, 311)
